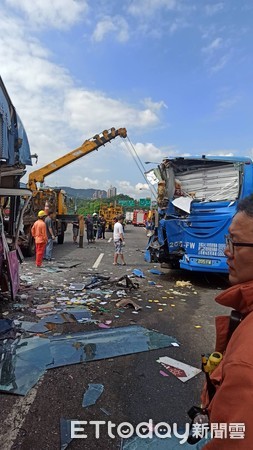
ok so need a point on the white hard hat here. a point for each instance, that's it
(94, 214)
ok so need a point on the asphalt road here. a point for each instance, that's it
(134, 389)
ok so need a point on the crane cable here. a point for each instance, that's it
(140, 165)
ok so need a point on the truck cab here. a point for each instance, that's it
(197, 199)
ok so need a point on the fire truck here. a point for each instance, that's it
(139, 218)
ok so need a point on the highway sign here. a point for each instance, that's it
(145, 202)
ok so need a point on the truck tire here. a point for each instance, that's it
(29, 250)
(60, 237)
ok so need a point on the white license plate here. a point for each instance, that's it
(207, 262)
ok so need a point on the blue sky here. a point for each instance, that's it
(177, 74)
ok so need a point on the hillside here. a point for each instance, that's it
(77, 193)
(81, 193)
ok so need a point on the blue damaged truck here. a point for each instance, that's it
(197, 199)
(14, 157)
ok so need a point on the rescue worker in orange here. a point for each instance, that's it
(232, 400)
(39, 232)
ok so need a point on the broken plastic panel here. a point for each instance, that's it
(138, 273)
(102, 344)
(156, 272)
(92, 394)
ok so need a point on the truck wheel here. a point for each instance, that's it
(60, 238)
(61, 231)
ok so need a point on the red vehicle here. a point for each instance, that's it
(139, 218)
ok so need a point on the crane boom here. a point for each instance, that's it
(88, 146)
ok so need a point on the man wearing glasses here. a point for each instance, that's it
(230, 409)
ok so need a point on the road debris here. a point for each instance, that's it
(92, 394)
(128, 302)
(177, 368)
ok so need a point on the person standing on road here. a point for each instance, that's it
(228, 395)
(50, 236)
(75, 231)
(81, 230)
(103, 226)
(118, 238)
(89, 228)
(95, 225)
(39, 234)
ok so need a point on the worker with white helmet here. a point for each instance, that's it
(95, 225)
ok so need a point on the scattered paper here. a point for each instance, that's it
(179, 369)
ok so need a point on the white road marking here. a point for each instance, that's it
(14, 421)
(98, 261)
(109, 240)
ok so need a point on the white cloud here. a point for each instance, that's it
(215, 8)
(217, 54)
(56, 13)
(139, 190)
(149, 7)
(57, 115)
(142, 186)
(221, 63)
(216, 44)
(111, 25)
(224, 153)
(154, 106)
(228, 103)
(75, 181)
(80, 104)
(178, 24)
(149, 152)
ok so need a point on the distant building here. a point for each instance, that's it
(98, 194)
(112, 192)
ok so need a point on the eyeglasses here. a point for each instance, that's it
(231, 244)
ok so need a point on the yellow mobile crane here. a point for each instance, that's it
(55, 199)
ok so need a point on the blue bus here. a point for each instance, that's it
(197, 199)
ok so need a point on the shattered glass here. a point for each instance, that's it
(101, 344)
(92, 394)
(59, 318)
(22, 363)
(155, 443)
(65, 426)
(24, 360)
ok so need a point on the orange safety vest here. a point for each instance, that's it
(39, 232)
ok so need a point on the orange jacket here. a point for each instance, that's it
(233, 378)
(39, 232)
